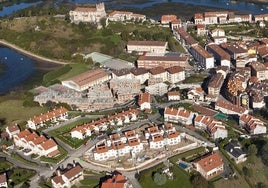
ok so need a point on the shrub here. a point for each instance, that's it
(160, 179)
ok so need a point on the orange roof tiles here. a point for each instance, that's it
(157, 70)
(49, 115)
(102, 148)
(157, 138)
(85, 9)
(23, 133)
(144, 97)
(210, 162)
(71, 173)
(89, 76)
(133, 142)
(117, 181)
(174, 70)
(13, 128)
(48, 144)
(118, 145)
(230, 106)
(168, 18)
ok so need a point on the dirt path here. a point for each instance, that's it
(30, 54)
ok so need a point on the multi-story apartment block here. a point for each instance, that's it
(142, 47)
(144, 101)
(178, 116)
(141, 74)
(185, 38)
(205, 59)
(158, 73)
(222, 57)
(175, 74)
(259, 70)
(229, 108)
(218, 36)
(149, 62)
(215, 84)
(120, 16)
(252, 125)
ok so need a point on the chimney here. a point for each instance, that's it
(58, 172)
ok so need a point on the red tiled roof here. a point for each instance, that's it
(144, 97)
(49, 115)
(210, 162)
(3, 178)
(85, 9)
(13, 128)
(71, 173)
(101, 148)
(48, 144)
(157, 70)
(174, 70)
(88, 76)
(23, 133)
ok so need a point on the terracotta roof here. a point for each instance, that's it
(49, 115)
(13, 128)
(153, 129)
(174, 70)
(198, 16)
(168, 18)
(3, 178)
(54, 153)
(39, 140)
(130, 133)
(173, 134)
(157, 70)
(157, 138)
(89, 76)
(117, 181)
(101, 148)
(133, 142)
(186, 36)
(31, 137)
(216, 81)
(118, 145)
(210, 162)
(147, 43)
(200, 50)
(218, 50)
(48, 144)
(230, 106)
(144, 97)
(71, 173)
(139, 71)
(58, 180)
(173, 93)
(23, 133)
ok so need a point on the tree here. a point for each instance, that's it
(248, 172)
(160, 179)
(264, 154)
(252, 150)
(198, 181)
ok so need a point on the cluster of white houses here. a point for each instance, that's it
(213, 127)
(38, 145)
(130, 143)
(39, 121)
(119, 119)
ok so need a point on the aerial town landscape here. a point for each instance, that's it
(94, 94)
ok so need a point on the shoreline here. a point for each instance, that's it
(30, 54)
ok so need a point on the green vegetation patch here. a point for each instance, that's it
(63, 133)
(4, 165)
(20, 158)
(90, 182)
(196, 78)
(19, 175)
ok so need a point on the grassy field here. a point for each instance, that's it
(63, 133)
(14, 111)
(259, 171)
(57, 159)
(197, 78)
(20, 158)
(181, 178)
(231, 183)
(89, 182)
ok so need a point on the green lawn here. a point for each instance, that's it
(14, 111)
(20, 158)
(63, 133)
(20, 175)
(181, 178)
(89, 182)
(76, 69)
(4, 165)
